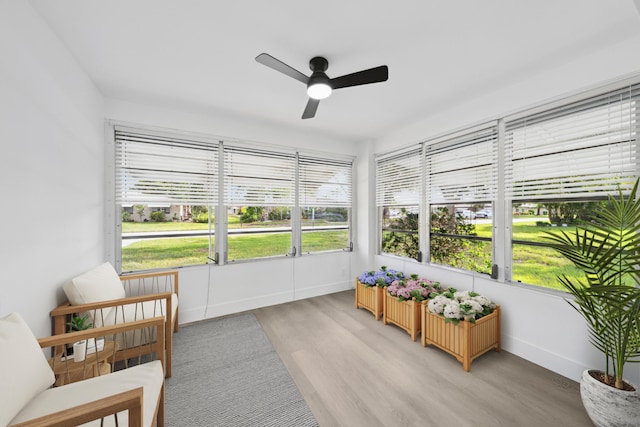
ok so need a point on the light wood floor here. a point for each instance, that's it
(354, 371)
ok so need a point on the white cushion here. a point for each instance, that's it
(98, 284)
(148, 375)
(24, 371)
(101, 283)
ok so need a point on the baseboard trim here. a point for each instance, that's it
(550, 360)
(240, 305)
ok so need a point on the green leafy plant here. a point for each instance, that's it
(158, 216)
(78, 323)
(606, 248)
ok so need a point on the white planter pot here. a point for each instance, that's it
(607, 406)
(79, 350)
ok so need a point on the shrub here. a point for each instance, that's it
(202, 217)
(158, 216)
(127, 216)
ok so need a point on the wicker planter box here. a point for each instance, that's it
(369, 298)
(465, 341)
(404, 314)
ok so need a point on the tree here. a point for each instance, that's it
(140, 211)
(573, 212)
(197, 210)
(456, 251)
(252, 214)
(400, 235)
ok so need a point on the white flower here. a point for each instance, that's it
(471, 307)
(482, 300)
(461, 295)
(460, 305)
(437, 304)
(452, 310)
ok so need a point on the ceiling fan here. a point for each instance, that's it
(319, 85)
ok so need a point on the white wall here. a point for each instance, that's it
(210, 291)
(51, 132)
(538, 326)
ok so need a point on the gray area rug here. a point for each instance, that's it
(227, 373)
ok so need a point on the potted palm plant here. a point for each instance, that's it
(607, 250)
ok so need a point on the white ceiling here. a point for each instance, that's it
(199, 54)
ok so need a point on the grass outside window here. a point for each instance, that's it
(534, 265)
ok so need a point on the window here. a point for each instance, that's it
(269, 201)
(398, 188)
(560, 164)
(493, 192)
(160, 181)
(461, 185)
(325, 203)
(260, 187)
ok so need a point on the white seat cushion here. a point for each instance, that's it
(148, 375)
(24, 371)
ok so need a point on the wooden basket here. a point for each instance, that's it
(404, 314)
(465, 341)
(369, 297)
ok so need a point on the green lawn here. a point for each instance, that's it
(533, 265)
(167, 253)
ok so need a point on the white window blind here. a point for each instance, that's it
(162, 169)
(399, 178)
(582, 149)
(324, 182)
(255, 177)
(463, 168)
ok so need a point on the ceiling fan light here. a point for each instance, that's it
(318, 90)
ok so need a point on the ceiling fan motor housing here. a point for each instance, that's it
(319, 65)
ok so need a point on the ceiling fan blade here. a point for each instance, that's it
(310, 109)
(372, 75)
(271, 62)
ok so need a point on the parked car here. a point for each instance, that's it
(483, 213)
(465, 213)
(330, 216)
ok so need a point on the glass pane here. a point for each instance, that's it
(150, 253)
(324, 229)
(258, 232)
(462, 253)
(454, 232)
(537, 265)
(400, 234)
(531, 222)
(147, 236)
